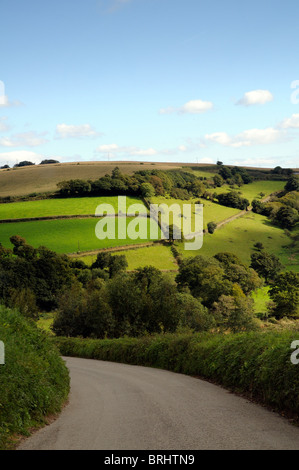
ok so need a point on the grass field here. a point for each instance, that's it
(261, 298)
(54, 207)
(211, 212)
(159, 256)
(44, 178)
(251, 191)
(240, 235)
(64, 236)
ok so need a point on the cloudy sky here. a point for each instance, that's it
(150, 80)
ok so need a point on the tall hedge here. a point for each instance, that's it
(34, 381)
(257, 364)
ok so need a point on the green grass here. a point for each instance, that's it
(211, 212)
(54, 207)
(202, 173)
(261, 297)
(64, 236)
(240, 235)
(251, 191)
(45, 322)
(159, 256)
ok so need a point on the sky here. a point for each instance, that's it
(187, 81)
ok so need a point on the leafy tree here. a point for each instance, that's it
(212, 227)
(225, 172)
(235, 312)
(147, 190)
(266, 264)
(292, 184)
(218, 180)
(285, 294)
(205, 278)
(287, 217)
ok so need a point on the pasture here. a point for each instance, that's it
(211, 212)
(240, 235)
(157, 255)
(60, 207)
(69, 235)
(252, 190)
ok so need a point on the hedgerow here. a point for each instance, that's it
(34, 380)
(256, 364)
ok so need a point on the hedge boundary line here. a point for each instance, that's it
(256, 364)
(34, 381)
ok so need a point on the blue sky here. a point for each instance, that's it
(150, 80)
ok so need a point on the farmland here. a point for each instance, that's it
(252, 191)
(240, 235)
(44, 178)
(157, 255)
(64, 236)
(211, 211)
(59, 207)
(78, 234)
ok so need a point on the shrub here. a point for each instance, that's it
(34, 381)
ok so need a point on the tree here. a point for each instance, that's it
(147, 190)
(287, 217)
(292, 184)
(235, 312)
(47, 162)
(285, 294)
(211, 227)
(205, 277)
(266, 264)
(218, 181)
(225, 172)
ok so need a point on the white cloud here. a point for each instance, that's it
(255, 97)
(65, 131)
(144, 152)
(20, 155)
(129, 150)
(290, 123)
(191, 107)
(27, 139)
(248, 138)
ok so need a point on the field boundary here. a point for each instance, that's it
(82, 254)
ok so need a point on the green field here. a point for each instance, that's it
(211, 212)
(65, 236)
(261, 298)
(159, 256)
(55, 207)
(251, 191)
(240, 235)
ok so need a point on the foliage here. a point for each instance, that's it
(233, 199)
(285, 295)
(266, 264)
(212, 227)
(256, 363)
(34, 381)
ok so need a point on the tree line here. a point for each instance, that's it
(104, 300)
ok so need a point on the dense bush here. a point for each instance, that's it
(257, 364)
(34, 381)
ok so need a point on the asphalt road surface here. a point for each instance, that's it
(122, 407)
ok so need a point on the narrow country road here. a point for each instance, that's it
(122, 407)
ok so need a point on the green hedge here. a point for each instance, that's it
(256, 364)
(34, 381)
